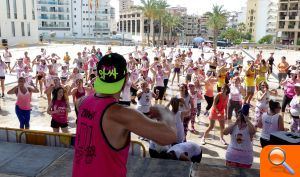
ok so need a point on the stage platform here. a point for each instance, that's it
(24, 160)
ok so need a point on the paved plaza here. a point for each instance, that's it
(214, 151)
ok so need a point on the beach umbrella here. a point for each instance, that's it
(198, 40)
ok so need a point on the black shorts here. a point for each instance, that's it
(176, 70)
(2, 77)
(161, 92)
(137, 60)
(125, 103)
(55, 124)
(7, 62)
(133, 91)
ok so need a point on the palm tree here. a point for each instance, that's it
(241, 27)
(161, 6)
(149, 10)
(170, 23)
(217, 20)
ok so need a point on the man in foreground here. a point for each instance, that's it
(103, 128)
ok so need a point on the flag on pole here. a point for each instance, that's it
(91, 4)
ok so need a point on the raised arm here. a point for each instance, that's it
(162, 132)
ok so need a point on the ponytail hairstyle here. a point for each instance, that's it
(274, 105)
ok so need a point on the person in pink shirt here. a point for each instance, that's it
(23, 107)
(92, 63)
(59, 109)
(103, 127)
(289, 91)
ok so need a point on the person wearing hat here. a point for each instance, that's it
(103, 127)
(295, 110)
(240, 149)
(289, 90)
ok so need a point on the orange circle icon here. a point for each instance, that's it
(277, 156)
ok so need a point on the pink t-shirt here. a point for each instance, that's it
(94, 156)
(23, 100)
(61, 107)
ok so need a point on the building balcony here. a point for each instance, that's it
(52, 3)
(54, 28)
(53, 18)
(103, 30)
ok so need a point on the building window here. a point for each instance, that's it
(28, 29)
(24, 10)
(23, 28)
(15, 9)
(84, 26)
(138, 26)
(74, 16)
(74, 8)
(13, 30)
(33, 12)
(133, 26)
(83, 18)
(8, 9)
(75, 23)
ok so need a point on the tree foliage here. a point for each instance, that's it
(266, 39)
(217, 20)
(231, 34)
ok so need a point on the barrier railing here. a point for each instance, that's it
(54, 139)
(47, 138)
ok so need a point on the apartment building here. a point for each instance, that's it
(288, 22)
(92, 20)
(18, 22)
(261, 18)
(54, 18)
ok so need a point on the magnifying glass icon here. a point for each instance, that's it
(277, 157)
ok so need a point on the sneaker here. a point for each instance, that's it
(223, 142)
(202, 141)
(2, 95)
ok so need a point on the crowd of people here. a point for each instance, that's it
(226, 85)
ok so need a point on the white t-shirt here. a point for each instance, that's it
(41, 68)
(240, 149)
(158, 148)
(125, 94)
(179, 127)
(295, 106)
(235, 94)
(159, 80)
(270, 125)
(7, 56)
(144, 102)
(192, 149)
(263, 104)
